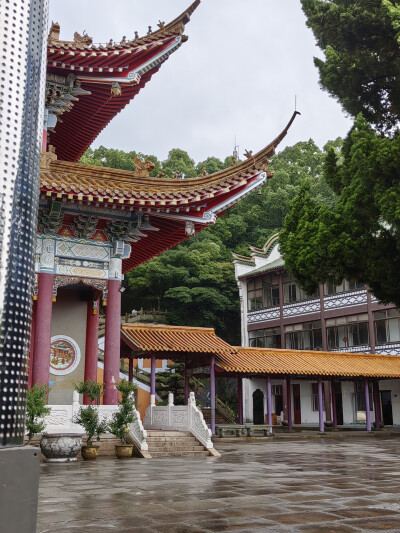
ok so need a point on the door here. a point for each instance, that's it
(296, 404)
(387, 413)
(339, 403)
(258, 407)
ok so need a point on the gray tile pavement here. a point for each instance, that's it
(313, 486)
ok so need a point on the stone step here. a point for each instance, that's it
(202, 453)
(175, 446)
(171, 439)
(161, 433)
(219, 419)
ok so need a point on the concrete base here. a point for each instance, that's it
(19, 485)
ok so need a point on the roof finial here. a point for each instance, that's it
(150, 30)
(136, 35)
(161, 24)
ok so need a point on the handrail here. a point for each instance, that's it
(137, 432)
(225, 411)
(178, 418)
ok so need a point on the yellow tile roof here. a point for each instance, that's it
(159, 338)
(309, 363)
(75, 178)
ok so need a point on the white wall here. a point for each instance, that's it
(308, 416)
(394, 386)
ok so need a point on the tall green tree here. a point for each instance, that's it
(360, 237)
(361, 69)
(179, 164)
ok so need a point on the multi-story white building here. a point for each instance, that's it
(277, 313)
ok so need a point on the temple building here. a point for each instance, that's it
(95, 223)
(278, 316)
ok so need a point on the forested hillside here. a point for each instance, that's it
(194, 282)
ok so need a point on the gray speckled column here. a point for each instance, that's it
(23, 28)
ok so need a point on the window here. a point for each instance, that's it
(307, 336)
(265, 338)
(263, 292)
(254, 294)
(345, 332)
(314, 397)
(271, 294)
(354, 285)
(387, 326)
(330, 288)
(292, 292)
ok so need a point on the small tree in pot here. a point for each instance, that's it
(88, 417)
(119, 424)
(36, 410)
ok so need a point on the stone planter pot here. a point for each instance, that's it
(61, 447)
(89, 453)
(123, 451)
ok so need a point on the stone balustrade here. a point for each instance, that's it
(178, 418)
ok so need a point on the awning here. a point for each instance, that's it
(308, 363)
(159, 339)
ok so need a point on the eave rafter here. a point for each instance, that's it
(94, 83)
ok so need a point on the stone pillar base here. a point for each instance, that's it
(19, 486)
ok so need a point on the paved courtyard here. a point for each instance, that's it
(345, 485)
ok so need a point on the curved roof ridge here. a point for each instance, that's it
(175, 27)
(267, 246)
(307, 353)
(257, 162)
(138, 325)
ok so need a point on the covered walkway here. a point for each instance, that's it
(206, 354)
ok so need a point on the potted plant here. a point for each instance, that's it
(36, 410)
(88, 417)
(119, 424)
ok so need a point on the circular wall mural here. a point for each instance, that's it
(64, 355)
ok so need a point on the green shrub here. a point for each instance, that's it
(36, 409)
(125, 415)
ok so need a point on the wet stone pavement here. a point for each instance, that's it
(316, 486)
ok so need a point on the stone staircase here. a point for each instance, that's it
(174, 444)
(219, 419)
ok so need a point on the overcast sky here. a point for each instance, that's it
(237, 75)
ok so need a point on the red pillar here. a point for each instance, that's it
(130, 369)
(44, 308)
(92, 343)
(32, 345)
(334, 410)
(153, 375)
(44, 140)
(327, 404)
(285, 402)
(212, 393)
(240, 398)
(377, 404)
(112, 343)
(186, 381)
(289, 404)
